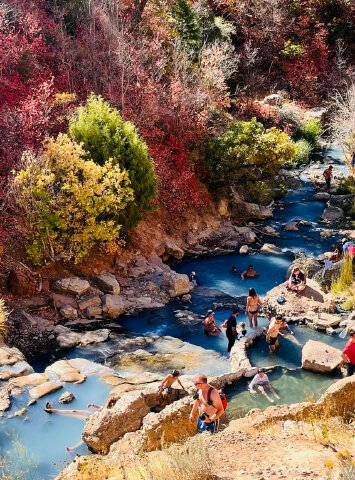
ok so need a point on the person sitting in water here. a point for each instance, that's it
(261, 380)
(249, 273)
(211, 328)
(169, 380)
(297, 280)
(193, 279)
(252, 307)
(234, 270)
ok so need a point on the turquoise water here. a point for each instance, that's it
(45, 436)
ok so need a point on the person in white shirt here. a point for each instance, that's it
(261, 380)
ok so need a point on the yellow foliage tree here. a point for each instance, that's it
(69, 200)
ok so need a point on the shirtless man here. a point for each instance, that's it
(208, 405)
(169, 380)
(274, 331)
(249, 273)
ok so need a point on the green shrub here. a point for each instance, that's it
(310, 131)
(348, 304)
(346, 186)
(246, 152)
(303, 151)
(264, 192)
(69, 201)
(188, 27)
(106, 136)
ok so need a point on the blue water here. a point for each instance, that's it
(45, 436)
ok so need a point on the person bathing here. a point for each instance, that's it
(261, 380)
(249, 273)
(252, 307)
(211, 327)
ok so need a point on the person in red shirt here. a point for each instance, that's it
(327, 174)
(348, 354)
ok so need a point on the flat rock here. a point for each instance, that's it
(90, 301)
(327, 320)
(108, 283)
(66, 397)
(10, 355)
(93, 311)
(332, 214)
(65, 372)
(112, 306)
(31, 380)
(270, 248)
(320, 357)
(73, 286)
(20, 413)
(96, 336)
(86, 367)
(16, 370)
(71, 339)
(4, 399)
(44, 389)
(321, 196)
(67, 311)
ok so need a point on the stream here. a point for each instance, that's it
(39, 441)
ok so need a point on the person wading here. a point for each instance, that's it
(327, 174)
(252, 307)
(348, 354)
(231, 328)
(208, 404)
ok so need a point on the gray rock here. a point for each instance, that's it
(73, 285)
(90, 301)
(305, 223)
(4, 399)
(332, 214)
(291, 227)
(112, 306)
(321, 196)
(176, 284)
(71, 339)
(244, 250)
(66, 397)
(270, 248)
(271, 231)
(108, 283)
(10, 356)
(69, 312)
(341, 201)
(325, 234)
(320, 357)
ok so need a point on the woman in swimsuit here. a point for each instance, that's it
(252, 307)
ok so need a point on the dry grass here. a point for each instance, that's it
(4, 313)
(344, 283)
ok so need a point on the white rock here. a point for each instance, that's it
(69, 312)
(112, 306)
(270, 248)
(320, 357)
(244, 250)
(108, 283)
(73, 286)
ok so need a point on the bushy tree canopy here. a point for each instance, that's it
(70, 201)
(105, 136)
(246, 152)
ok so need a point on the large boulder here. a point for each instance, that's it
(31, 380)
(44, 389)
(69, 339)
(326, 320)
(172, 250)
(270, 248)
(73, 286)
(90, 301)
(69, 312)
(332, 214)
(109, 424)
(112, 306)
(244, 250)
(291, 226)
(320, 357)
(4, 399)
(65, 372)
(108, 283)
(176, 284)
(321, 196)
(16, 370)
(10, 356)
(341, 201)
(310, 265)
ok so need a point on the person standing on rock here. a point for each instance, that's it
(261, 380)
(231, 329)
(208, 404)
(348, 354)
(252, 307)
(167, 383)
(327, 174)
